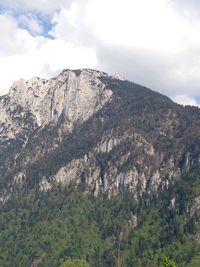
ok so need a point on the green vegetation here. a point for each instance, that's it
(67, 227)
(74, 263)
(168, 263)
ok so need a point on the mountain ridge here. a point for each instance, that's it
(98, 168)
(75, 101)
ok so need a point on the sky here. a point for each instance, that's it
(154, 43)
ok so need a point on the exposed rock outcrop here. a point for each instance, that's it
(97, 131)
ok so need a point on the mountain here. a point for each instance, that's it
(90, 136)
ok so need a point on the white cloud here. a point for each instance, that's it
(51, 57)
(41, 6)
(151, 25)
(46, 61)
(24, 55)
(31, 22)
(65, 23)
(187, 9)
(185, 100)
(71, 24)
(8, 35)
(149, 42)
(145, 24)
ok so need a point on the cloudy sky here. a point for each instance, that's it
(155, 43)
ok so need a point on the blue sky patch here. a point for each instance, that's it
(44, 20)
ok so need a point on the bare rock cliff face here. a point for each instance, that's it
(76, 95)
(30, 106)
(96, 131)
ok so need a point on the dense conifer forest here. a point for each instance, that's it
(67, 227)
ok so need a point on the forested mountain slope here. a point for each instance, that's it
(100, 169)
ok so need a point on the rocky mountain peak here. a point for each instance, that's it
(88, 149)
(76, 94)
(87, 127)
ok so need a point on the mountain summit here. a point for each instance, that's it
(97, 170)
(98, 131)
